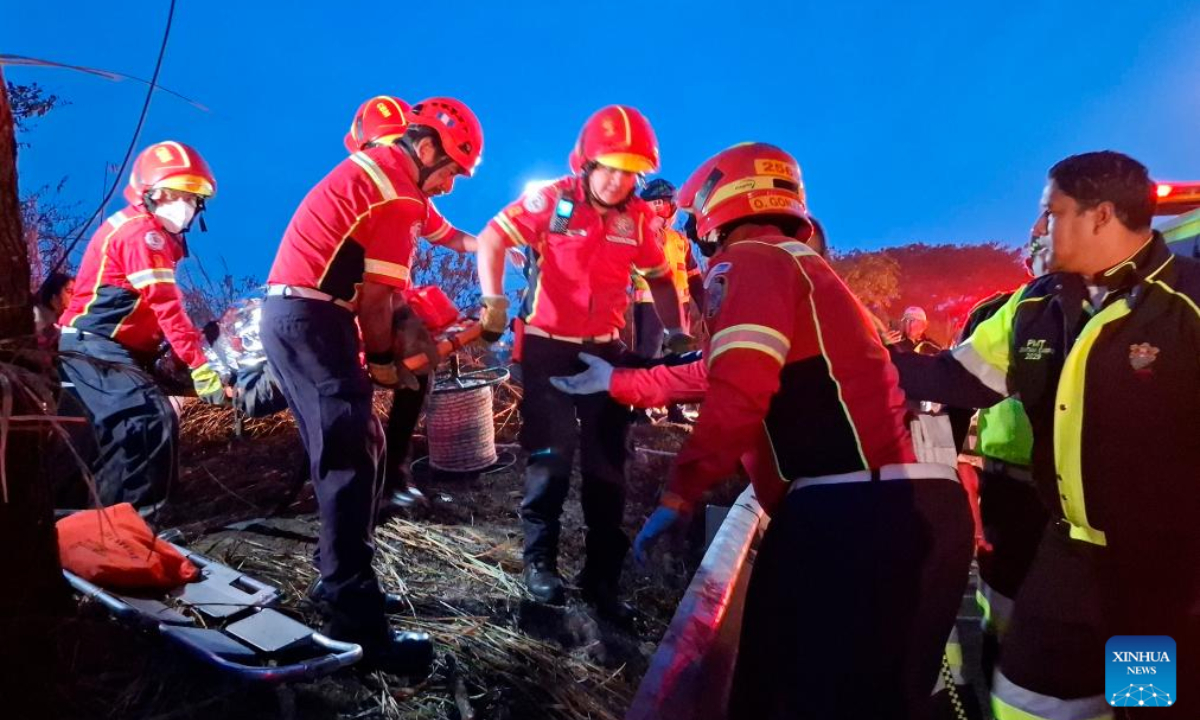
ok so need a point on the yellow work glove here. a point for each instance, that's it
(494, 318)
(385, 372)
(208, 385)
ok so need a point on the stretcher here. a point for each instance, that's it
(227, 620)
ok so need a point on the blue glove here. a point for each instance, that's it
(659, 522)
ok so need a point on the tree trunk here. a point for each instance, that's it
(33, 595)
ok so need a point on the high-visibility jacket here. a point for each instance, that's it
(1112, 392)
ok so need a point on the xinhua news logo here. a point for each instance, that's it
(1139, 671)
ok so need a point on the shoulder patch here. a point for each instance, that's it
(715, 287)
(534, 202)
(155, 240)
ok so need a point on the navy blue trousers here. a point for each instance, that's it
(136, 431)
(312, 346)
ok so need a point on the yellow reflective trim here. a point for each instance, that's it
(537, 290)
(376, 174)
(628, 127)
(744, 345)
(145, 278)
(770, 332)
(985, 607)
(447, 228)
(385, 268)
(654, 272)
(987, 354)
(1068, 424)
(743, 186)
(510, 230)
(954, 656)
(121, 218)
(798, 249)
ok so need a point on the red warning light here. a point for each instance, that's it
(1164, 190)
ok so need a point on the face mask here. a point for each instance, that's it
(176, 216)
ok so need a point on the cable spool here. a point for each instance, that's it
(462, 437)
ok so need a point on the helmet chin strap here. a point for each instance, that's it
(424, 172)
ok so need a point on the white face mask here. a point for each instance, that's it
(175, 215)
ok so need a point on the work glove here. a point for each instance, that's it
(208, 385)
(494, 317)
(386, 373)
(679, 342)
(413, 338)
(597, 378)
(660, 522)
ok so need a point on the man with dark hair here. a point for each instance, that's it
(1103, 354)
(335, 286)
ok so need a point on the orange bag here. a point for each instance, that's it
(115, 548)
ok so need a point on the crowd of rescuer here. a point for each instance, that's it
(346, 255)
(382, 120)
(798, 388)
(125, 303)
(582, 232)
(1103, 352)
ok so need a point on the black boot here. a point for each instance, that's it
(544, 582)
(399, 653)
(392, 603)
(601, 593)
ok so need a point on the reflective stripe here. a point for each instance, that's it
(386, 269)
(987, 353)
(145, 278)
(655, 272)
(797, 249)
(447, 228)
(996, 607)
(746, 185)
(952, 664)
(1013, 702)
(750, 337)
(974, 363)
(1068, 425)
(120, 219)
(376, 174)
(510, 230)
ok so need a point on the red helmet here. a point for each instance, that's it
(381, 119)
(172, 165)
(456, 126)
(619, 137)
(745, 180)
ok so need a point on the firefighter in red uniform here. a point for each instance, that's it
(860, 573)
(125, 303)
(346, 253)
(382, 120)
(583, 233)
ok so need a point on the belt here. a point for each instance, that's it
(531, 330)
(1020, 473)
(290, 291)
(904, 471)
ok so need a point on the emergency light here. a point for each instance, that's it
(1175, 198)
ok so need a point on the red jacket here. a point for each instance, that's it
(360, 222)
(794, 379)
(126, 290)
(579, 271)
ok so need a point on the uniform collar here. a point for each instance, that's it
(1144, 262)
